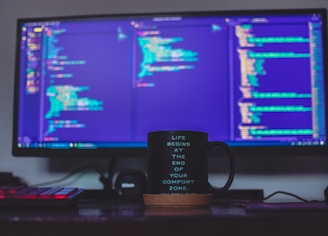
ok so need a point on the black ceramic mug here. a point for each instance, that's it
(178, 163)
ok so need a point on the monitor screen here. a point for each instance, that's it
(96, 85)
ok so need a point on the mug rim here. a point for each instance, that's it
(176, 131)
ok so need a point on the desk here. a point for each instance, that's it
(116, 217)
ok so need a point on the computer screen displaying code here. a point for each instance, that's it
(98, 82)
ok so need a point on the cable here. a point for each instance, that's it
(95, 165)
(107, 181)
(289, 194)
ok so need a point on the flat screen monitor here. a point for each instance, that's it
(96, 85)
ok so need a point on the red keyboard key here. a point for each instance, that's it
(64, 193)
(49, 193)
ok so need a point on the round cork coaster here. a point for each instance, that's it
(179, 200)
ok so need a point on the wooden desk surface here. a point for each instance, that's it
(96, 218)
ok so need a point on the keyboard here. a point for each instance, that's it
(26, 196)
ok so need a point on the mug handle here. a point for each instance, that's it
(231, 162)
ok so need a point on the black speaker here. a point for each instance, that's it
(130, 184)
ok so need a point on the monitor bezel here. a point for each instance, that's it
(142, 151)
